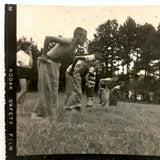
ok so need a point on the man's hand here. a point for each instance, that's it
(75, 60)
(71, 72)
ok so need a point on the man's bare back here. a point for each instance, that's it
(61, 50)
(64, 46)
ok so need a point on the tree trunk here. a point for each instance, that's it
(135, 96)
(145, 74)
(123, 69)
(106, 62)
(112, 65)
(159, 73)
(127, 68)
(127, 82)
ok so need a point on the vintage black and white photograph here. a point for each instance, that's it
(87, 80)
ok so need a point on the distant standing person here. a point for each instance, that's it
(104, 92)
(108, 93)
(24, 65)
(48, 71)
(90, 84)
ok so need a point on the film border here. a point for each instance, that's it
(10, 81)
(10, 102)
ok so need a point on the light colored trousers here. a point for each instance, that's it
(104, 96)
(73, 90)
(48, 82)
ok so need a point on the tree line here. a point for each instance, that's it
(128, 50)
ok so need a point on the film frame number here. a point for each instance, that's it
(10, 8)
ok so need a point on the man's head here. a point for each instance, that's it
(51, 45)
(103, 85)
(98, 55)
(26, 46)
(80, 34)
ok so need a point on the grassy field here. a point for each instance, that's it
(129, 128)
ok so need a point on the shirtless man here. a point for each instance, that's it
(48, 71)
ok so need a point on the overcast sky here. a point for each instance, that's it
(39, 21)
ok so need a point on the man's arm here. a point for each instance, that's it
(30, 59)
(84, 58)
(23, 66)
(106, 79)
(75, 60)
(49, 39)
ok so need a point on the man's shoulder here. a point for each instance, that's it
(67, 40)
(21, 52)
(89, 57)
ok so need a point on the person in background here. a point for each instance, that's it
(108, 94)
(113, 99)
(48, 71)
(24, 65)
(90, 84)
(81, 65)
(104, 92)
